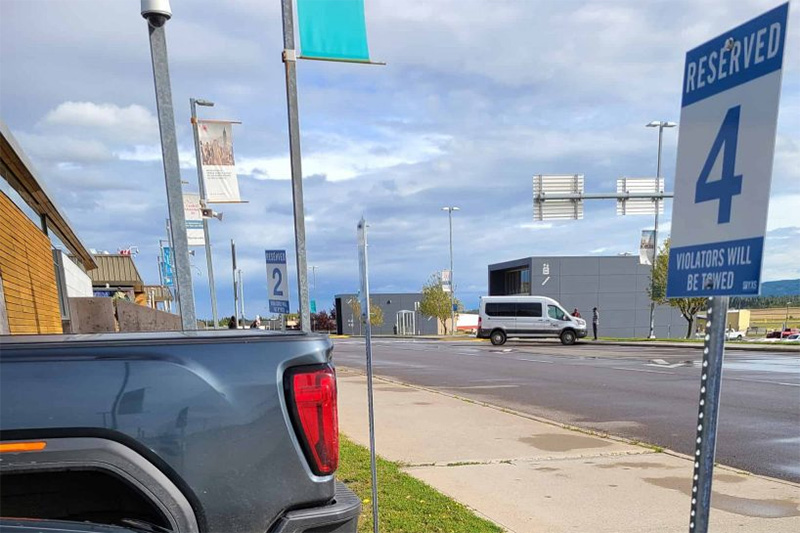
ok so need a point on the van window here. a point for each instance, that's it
(529, 309)
(500, 309)
(553, 311)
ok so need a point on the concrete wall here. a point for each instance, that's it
(99, 314)
(391, 303)
(91, 315)
(617, 286)
(79, 284)
(134, 317)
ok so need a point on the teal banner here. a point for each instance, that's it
(333, 29)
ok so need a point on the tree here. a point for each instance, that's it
(436, 302)
(322, 321)
(689, 307)
(375, 310)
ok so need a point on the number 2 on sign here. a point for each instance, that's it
(729, 184)
(276, 273)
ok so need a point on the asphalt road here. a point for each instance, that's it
(645, 393)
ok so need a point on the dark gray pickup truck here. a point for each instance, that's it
(222, 431)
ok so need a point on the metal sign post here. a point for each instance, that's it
(726, 146)
(290, 63)
(364, 270)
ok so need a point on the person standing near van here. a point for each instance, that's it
(595, 321)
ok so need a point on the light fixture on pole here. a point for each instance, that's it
(660, 124)
(450, 210)
(193, 103)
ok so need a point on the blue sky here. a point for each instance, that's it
(477, 97)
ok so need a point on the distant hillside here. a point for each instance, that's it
(784, 287)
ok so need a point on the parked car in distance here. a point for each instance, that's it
(502, 317)
(733, 335)
(795, 337)
(782, 334)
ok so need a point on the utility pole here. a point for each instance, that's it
(290, 63)
(157, 13)
(660, 124)
(452, 283)
(241, 294)
(193, 103)
(235, 285)
(314, 287)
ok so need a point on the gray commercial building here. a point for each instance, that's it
(616, 285)
(399, 311)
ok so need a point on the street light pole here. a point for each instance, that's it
(157, 13)
(452, 284)
(660, 124)
(193, 103)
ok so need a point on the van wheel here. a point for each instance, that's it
(568, 337)
(498, 338)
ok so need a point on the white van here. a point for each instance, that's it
(527, 316)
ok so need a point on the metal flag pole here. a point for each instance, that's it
(241, 294)
(710, 387)
(235, 285)
(290, 62)
(157, 13)
(365, 312)
(193, 103)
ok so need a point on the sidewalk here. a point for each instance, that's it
(531, 475)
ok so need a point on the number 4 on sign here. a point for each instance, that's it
(729, 184)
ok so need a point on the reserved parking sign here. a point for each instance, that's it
(726, 145)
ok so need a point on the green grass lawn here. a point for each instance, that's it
(407, 505)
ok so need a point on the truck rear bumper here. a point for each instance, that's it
(339, 516)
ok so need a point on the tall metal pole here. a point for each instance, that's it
(655, 239)
(235, 284)
(206, 237)
(172, 170)
(710, 386)
(290, 63)
(452, 282)
(241, 294)
(365, 319)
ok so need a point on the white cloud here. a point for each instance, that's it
(340, 158)
(64, 149)
(132, 123)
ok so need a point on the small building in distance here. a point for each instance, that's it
(616, 285)
(401, 315)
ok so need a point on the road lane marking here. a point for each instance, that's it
(641, 370)
(764, 381)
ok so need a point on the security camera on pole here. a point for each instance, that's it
(157, 13)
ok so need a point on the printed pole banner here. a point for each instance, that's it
(334, 30)
(194, 219)
(166, 266)
(447, 280)
(647, 247)
(219, 168)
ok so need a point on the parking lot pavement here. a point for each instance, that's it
(534, 476)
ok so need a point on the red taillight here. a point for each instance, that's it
(312, 400)
(480, 321)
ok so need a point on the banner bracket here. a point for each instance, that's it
(290, 55)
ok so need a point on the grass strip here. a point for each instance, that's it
(407, 505)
